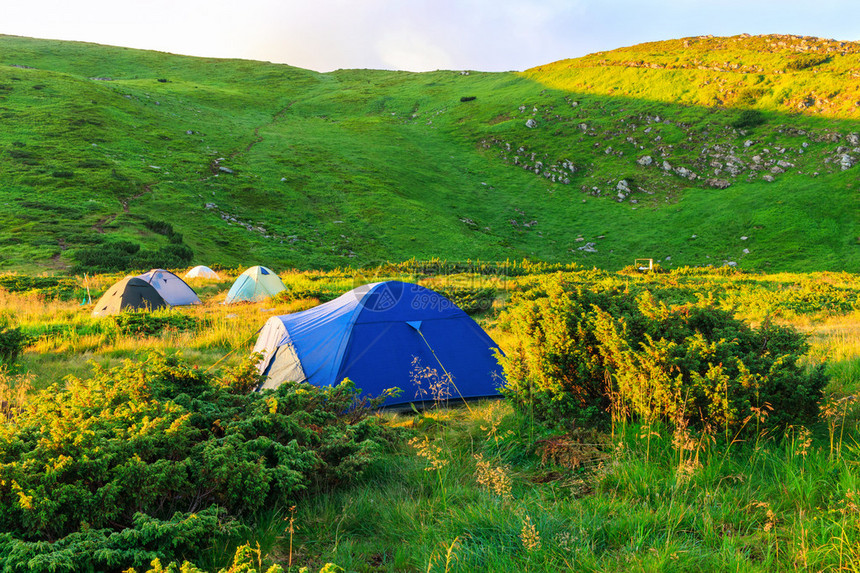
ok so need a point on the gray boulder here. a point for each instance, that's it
(718, 183)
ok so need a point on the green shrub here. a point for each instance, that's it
(159, 459)
(804, 61)
(105, 258)
(322, 293)
(555, 371)
(582, 352)
(12, 343)
(748, 119)
(50, 287)
(127, 255)
(105, 549)
(149, 323)
(245, 560)
(472, 300)
(749, 96)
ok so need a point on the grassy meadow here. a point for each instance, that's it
(132, 442)
(484, 487)
(109, 150)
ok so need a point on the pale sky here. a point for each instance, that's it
(415, 35)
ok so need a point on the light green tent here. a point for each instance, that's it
(256, 283)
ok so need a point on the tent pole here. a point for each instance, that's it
(450, 378)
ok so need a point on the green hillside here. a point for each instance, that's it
(691, 152)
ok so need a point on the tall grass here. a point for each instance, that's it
(486, 489)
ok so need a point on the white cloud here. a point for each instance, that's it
(490, 35)
(406, 49)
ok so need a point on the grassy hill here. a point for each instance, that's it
(692, 152)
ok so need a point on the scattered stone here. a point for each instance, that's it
(746, 251)
(731, 264)
(768, 178)
(733, 169)
(718, 183)
(853, 139)
(531, 123)
(588, 248)
(223, 169)
(684, 172)
(645, 160)
(744, 238)
(748, 143)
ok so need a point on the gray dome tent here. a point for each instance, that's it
(172, 289)
(130, 293)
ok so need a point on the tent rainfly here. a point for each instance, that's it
(383, 335)
(255, 284)
(172, 289)
(131, 293)
(202, 272)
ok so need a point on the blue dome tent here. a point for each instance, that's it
(383, 335)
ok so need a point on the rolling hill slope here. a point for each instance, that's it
(698, 151)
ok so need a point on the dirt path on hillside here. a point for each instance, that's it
(259, 138)
(146, 189)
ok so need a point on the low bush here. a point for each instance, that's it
(585, 351)
(749, 96)
(160, 459)
(149, 323)
(245, 560)
(748, 119)
(12, 343)
(322, 293)
(471, 300)
(50, 287)
(804, 61)
(127, 255)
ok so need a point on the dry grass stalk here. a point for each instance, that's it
(530, 536)
(430, 452)
(494, 479)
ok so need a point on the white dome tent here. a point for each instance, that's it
(201, 272)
